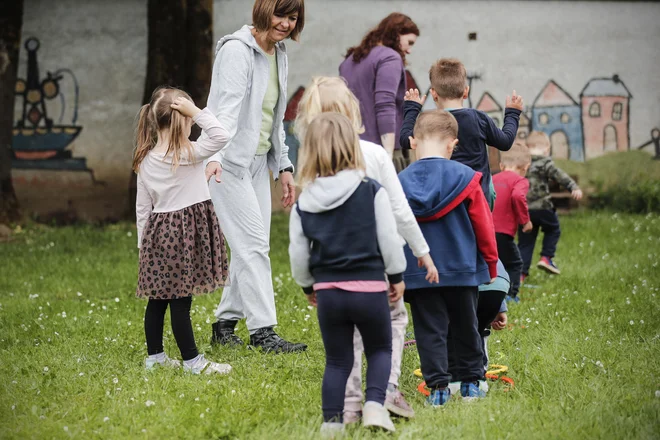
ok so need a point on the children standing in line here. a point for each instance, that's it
(541, 210)
(448, 202)
(511, 210)
(476, 129)
(182, 249)
(331, 94)
(343, 240)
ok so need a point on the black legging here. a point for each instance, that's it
(154, 318)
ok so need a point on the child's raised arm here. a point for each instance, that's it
(216, 139)
(503, 139)
(412, 107)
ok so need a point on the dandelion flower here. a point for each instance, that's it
(45, 369)
(149, 403)
(116, 299)
(105, 419)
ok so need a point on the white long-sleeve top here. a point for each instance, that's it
(381, 169)
(159, 189)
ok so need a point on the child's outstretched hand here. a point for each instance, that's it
(396, 291)
(500, 321)
(514, 101)
(185, 106)
(527, 227)
(431, 271)
(576, 194)
(311, 299)
(413, 95)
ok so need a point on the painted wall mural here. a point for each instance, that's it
(40, 139)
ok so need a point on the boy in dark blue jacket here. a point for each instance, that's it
(450, 206)
(476, 129)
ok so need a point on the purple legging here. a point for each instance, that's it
(338, 312)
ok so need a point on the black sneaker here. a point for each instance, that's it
(269, 341)
(223, 333)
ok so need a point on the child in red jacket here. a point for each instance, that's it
(511, 210)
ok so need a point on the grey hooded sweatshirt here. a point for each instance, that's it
(238, 86)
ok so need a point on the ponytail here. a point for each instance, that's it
(145, 136)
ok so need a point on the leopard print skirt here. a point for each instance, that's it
(182, 254)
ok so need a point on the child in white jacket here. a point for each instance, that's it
(331, 94)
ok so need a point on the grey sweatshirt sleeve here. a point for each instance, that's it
(389, 242)
(229, 84)
(299, 252)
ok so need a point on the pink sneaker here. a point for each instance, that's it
(397, 405)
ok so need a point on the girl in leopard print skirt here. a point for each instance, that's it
(182, 249)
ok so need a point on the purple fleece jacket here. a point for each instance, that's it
(379, 83)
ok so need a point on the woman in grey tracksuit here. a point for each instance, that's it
(248, 96)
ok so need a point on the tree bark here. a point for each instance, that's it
(179, 54)
(11, 22)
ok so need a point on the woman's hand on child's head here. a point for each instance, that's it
(431, 271)
(514, 101)
(185, 106)
(311, 299)
(527, 227)
(500, 321)
(576, 194)
(396, 291)
(413, 95)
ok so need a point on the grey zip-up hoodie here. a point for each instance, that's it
(238, 86)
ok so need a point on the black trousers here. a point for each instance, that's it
(339, 312)
(511, 259)
(154, 318)
(434, 312)
(547, 221)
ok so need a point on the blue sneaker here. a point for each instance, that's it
(438, 397)
(514, 299)
(548, 265)
(471, 391)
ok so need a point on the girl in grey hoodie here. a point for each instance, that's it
(248, 96)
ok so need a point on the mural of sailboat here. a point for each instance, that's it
(38, 141)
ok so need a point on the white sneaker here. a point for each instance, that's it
(200, 365)
(375, 415)
(161, 360)
(332, 430)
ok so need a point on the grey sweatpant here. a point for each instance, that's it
(399, 315)
(243, 207)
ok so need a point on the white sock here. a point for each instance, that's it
(190, 362)
(158, 357)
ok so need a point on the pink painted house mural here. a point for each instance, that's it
(605, 116)
(489, 105)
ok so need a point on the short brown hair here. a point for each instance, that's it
(517, 156)
(448, 78)
(436, 123)
(537, 139)
(263, 11)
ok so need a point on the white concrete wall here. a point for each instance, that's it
(520, 44)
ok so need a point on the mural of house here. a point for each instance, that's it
(556, 113)
(605, 116)
(524, 126)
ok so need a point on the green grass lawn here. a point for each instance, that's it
(584, 350)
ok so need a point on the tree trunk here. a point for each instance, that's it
(180, 54)
(11, 22)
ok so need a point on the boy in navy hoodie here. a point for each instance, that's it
(452, 211)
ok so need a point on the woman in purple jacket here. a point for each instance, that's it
(375, 72)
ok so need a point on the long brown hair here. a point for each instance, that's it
(159, 115)
(386, 33)
(331, 145)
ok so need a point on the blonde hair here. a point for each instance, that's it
(331, 145)
(537, 140)
(448, 78)
(159, 115)
(517, 157)
(436, 123)
(327, 94)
